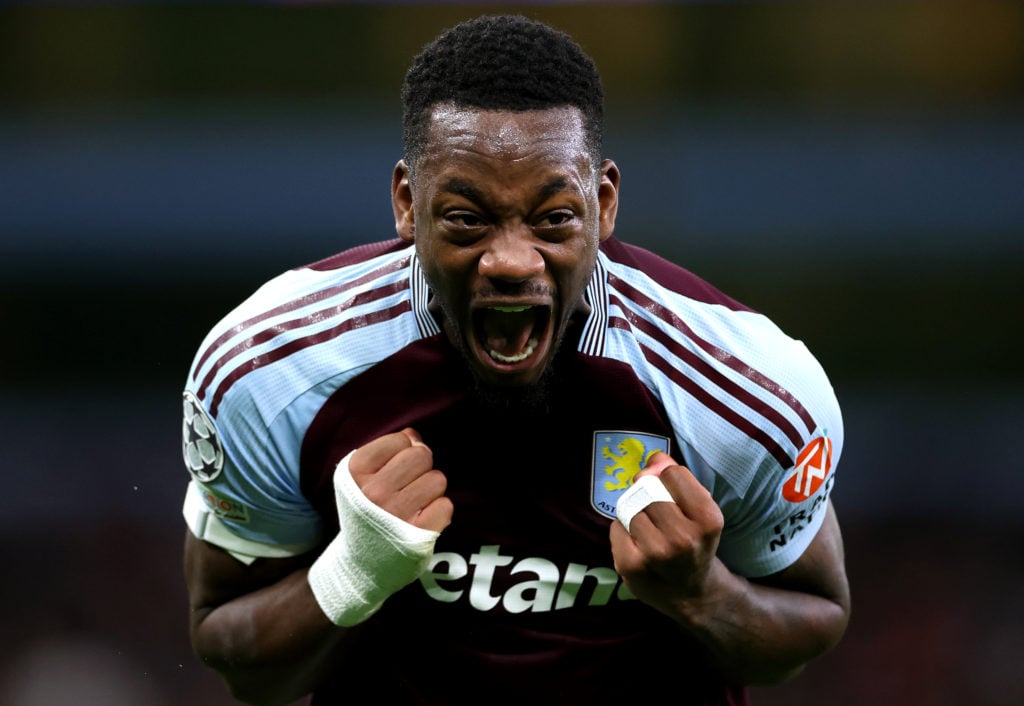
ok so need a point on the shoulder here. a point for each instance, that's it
(305, 324)
(263, 373)
(717, 364)
(628, 264)
(360, 254)
(753, 411)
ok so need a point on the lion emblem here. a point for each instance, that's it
(631, 457)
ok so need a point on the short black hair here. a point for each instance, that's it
(501, 62)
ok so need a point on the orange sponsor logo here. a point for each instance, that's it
(812, 467)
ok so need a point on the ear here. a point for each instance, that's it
(608, 197)
(402, 202)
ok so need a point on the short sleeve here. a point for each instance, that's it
(245, 492)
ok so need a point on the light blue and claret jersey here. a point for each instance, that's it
(327, 357)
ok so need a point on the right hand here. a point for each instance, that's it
(667, 558)
(396, 473)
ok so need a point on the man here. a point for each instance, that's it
(506, 457)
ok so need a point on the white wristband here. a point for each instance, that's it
(374, 555)
(646, 490)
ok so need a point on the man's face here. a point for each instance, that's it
(506, 211)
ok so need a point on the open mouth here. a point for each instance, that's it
(511, 334)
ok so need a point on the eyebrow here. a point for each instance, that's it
(554, 186)
(463, 188)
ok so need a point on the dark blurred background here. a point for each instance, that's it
(855, 170)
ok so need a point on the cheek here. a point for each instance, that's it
(574, 269)
(446, 277)
(441, 265)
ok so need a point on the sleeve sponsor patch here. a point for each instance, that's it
(222, 507)
(812, 467)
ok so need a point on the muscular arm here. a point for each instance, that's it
(765, 631)
(259, 625)
(761, 631)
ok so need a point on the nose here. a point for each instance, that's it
(511, 257)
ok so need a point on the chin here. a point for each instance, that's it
(515, 399)
(510, 382)
(522, 391)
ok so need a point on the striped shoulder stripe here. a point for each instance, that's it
(298, 303)
(382, 283)
(632, 299)
(298, 344)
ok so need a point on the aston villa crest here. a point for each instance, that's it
(617, 457)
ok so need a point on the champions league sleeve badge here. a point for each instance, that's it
(617, 457)
(200, 445)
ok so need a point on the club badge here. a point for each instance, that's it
(617, 457)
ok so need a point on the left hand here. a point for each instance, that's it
(668, 556)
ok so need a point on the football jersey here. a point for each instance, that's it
(521, 597)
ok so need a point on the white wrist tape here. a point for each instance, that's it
(374, 555)
(646, 490)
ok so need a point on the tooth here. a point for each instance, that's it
(510, 309)
(530, 347)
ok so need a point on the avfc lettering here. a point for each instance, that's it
(532, 584)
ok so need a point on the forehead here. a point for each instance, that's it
(464, 137)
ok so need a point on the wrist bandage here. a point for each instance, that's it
(374, 555)
(646, 490)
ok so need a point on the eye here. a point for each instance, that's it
(463, 219)
(556, 219)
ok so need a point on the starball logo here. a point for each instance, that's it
(200, 443)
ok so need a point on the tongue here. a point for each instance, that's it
(507, 333)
